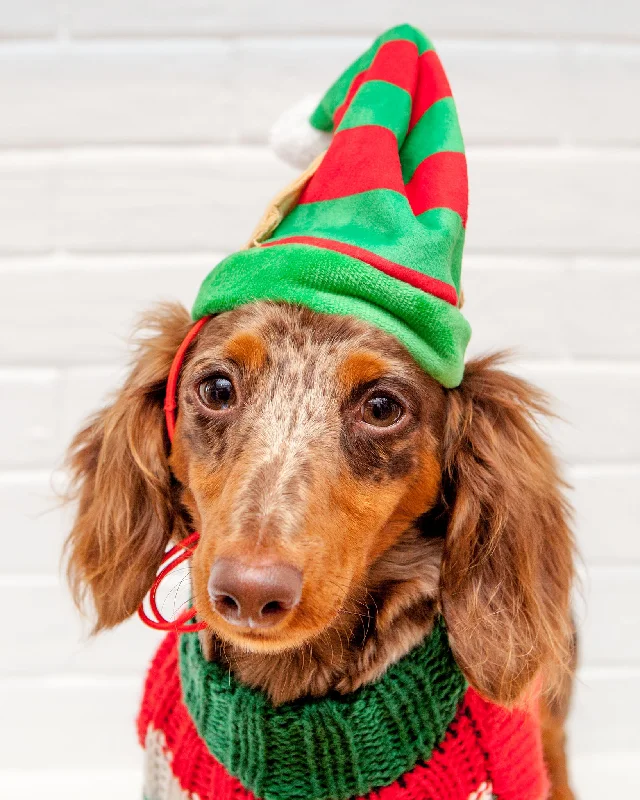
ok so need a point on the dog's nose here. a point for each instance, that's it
(258, 596)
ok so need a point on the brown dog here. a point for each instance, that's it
(344, 498)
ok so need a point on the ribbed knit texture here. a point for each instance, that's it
(332, 747)
(379, 229)
(486, 750)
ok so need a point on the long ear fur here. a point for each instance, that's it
(508, 562)
(120, 476)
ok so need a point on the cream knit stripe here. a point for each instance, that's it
(159, 781)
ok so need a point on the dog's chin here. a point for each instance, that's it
(290, 636)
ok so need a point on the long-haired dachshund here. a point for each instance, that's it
(384, 559)
(344, 500)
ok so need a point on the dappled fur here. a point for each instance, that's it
(476, 529)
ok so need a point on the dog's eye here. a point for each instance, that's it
(381, 410)
(217, 393)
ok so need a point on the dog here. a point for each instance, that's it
(344, 499)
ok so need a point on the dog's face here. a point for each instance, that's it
(307, 445)
(342, 497)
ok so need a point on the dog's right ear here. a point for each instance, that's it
(120, 476)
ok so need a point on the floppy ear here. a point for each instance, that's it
(121, 478)
(508, 562)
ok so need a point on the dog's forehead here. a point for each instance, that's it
(272, 336)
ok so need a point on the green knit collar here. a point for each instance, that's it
(332, 747)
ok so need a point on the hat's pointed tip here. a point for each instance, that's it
(294, 139)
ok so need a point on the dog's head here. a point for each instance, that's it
(336, 488)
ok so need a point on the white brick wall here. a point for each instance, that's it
(132, 155)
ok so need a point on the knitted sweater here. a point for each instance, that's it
(416, 734)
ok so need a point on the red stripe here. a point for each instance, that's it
(395, 62)
(359, 160)
(426, 283)
(432, 85)
(440, 181)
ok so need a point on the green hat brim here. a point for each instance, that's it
(434, 332)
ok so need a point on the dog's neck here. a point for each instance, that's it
(386, 618)
(319, 747)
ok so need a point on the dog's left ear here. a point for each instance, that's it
(508, 562)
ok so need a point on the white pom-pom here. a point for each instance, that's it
(294, 139)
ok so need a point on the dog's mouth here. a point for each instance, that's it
(270, 601)
(294, 630)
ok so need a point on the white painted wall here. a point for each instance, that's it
(132, 156)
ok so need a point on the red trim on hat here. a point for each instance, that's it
(418, 280)
(440, 181)
(432, 85)
(395, 62)
(359, 160)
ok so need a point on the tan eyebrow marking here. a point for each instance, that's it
(361, 367)
(246, 348)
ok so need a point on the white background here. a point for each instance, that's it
(132, 156)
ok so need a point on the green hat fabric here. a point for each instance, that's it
(378, 230)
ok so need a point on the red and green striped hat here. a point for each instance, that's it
(378, 229)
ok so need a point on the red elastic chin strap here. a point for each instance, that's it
(184, 549)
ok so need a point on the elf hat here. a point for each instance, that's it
(376, 228)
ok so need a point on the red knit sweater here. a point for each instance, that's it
(487, 751)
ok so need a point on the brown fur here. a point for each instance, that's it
(509, 552)
(456, 509)
(126, 510)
